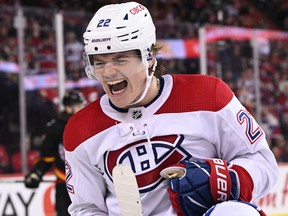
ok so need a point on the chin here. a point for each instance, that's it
(119, 104)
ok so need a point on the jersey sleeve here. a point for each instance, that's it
(241, 141)
(51, 139)
(84, 179)
(85, 185)
(49, 146)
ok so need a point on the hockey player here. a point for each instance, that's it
(52, 152)
(154, 122)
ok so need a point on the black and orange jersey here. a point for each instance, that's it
(51, 151)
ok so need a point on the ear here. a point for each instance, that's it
(152, 61)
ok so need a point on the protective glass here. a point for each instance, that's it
(120, 66)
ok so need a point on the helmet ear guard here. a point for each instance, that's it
(89, 69)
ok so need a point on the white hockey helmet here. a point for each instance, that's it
(235, 208)
(118, 28)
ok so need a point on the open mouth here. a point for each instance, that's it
(117, 86)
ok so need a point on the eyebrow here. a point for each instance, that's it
(116, 56)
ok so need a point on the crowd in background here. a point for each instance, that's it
(173, 20)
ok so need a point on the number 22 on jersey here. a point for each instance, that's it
(253, 131)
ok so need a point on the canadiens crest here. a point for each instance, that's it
(147, 160)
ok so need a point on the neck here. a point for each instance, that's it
(151, 94)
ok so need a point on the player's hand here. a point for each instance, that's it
(196, 186)
(32, 180)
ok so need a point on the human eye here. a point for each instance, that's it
(121, 61)
(99, 64)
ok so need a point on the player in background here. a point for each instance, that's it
(154, 123)
(52, 152)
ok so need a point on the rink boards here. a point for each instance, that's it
(15, 199)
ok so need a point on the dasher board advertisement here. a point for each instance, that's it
(17, 200)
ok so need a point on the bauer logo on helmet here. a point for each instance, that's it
(97, 40)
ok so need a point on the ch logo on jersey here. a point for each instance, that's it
(148, 159)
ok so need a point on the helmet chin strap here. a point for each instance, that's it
(148, 82)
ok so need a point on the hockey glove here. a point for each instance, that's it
(33, 179)
(196, 186)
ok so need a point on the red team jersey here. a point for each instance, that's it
(194, 117)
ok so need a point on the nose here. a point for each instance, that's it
(109, 70)
(109, 64)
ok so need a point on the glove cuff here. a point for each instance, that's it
(220, 180)
(176, 203)
(245, 182)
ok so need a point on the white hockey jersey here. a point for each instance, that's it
(194, 117)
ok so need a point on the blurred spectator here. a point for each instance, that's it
(73, 48)
(279, 148)
(4, 160)
(231, 60)
(32, 156)
(284, 124)
(247, 81)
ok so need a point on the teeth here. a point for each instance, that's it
(114, 82)
(118, 92)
